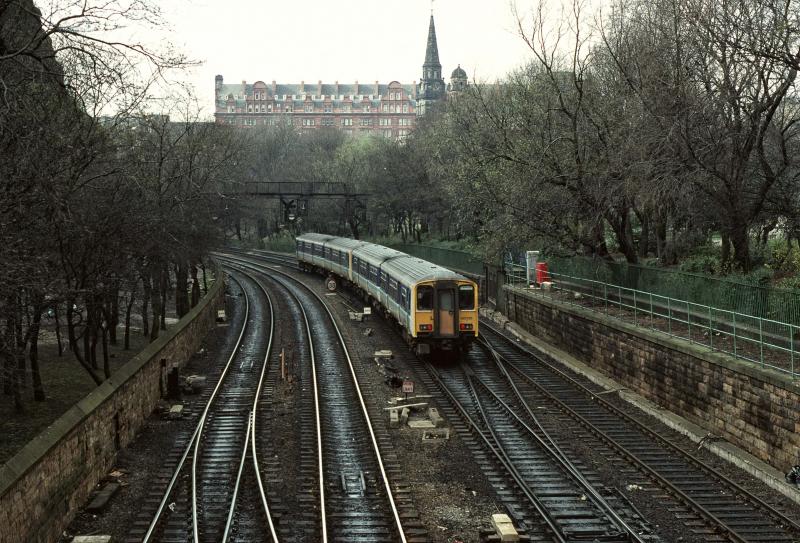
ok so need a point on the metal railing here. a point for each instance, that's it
(766, 342)
(737, 295)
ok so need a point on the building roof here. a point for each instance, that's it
(432, 49)
(458, 73)
(311, 89)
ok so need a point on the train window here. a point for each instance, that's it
(404, 297)
(355, 264)
(364, 269)
(466, 297)
(373, 275)
(299, 246)
(424, 298)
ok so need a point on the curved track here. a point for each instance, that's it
(715, 505)
(356, 501)
(216, 454)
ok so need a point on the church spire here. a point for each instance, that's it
(432, 50)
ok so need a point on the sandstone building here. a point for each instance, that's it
(386, 109)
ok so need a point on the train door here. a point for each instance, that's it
(446, 311)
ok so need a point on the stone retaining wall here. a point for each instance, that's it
(756, 409)
(44, 485)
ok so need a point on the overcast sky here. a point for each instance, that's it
(346, 41)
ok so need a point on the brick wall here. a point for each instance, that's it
(44, 485)
(756, 409)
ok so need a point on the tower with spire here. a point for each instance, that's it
(431, 86)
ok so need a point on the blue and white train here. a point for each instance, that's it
(436, 308)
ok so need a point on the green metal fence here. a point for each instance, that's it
(760, 301)
(765, 342)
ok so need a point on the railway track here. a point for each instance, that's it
(711, 505)
(560, 493)
(199, 501)
(356, 496)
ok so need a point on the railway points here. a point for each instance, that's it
(512, 429)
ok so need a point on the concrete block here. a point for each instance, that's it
(91, 539)
(435, 417)
(358, 317)
(504, 528)
(420, 424)
(221, 317)
(394, 419)
(175, 412)
(404, 416)
(100, 501)
(196, 382)
(383, 353)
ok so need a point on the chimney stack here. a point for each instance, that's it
(377, 89)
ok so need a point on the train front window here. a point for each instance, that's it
(466, 297)
(424, 298)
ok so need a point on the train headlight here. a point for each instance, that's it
(465, 326)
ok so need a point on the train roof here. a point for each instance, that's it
(377, 254)
(408, 269)
(345, 243)
(412, 270)
(311, 236)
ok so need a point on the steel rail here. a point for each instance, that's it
(365, 413)
(196, 433)
(502, 458)
(253, 414)
(251, 428)
(556, 451)
(318, 421)
(242, 462)
(710, 516)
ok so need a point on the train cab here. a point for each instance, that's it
(446, 312)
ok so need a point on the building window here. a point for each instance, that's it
(386, 122)
(385, 108)
(309, 108)
(347, 122)
(405, 108)
(327, 122)
(308, 122)
(346, 108)
(366, 122)
(231, 109)
(366, 108)
(387, 133)
(269, 108)
(327, 108)
(288, 109)
(404, 122)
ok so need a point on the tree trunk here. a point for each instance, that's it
(148, 293)
(181, 288)
(164, 286)
(644, 239)
(128, 310)
(155, 303)
(195, 286)
(113, 315)
(104, 330)
(33, 352)
(725, 257)
(741, 248)
(73, 343)
(205, 279)
(58, 329)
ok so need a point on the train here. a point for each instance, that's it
(436, 308)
